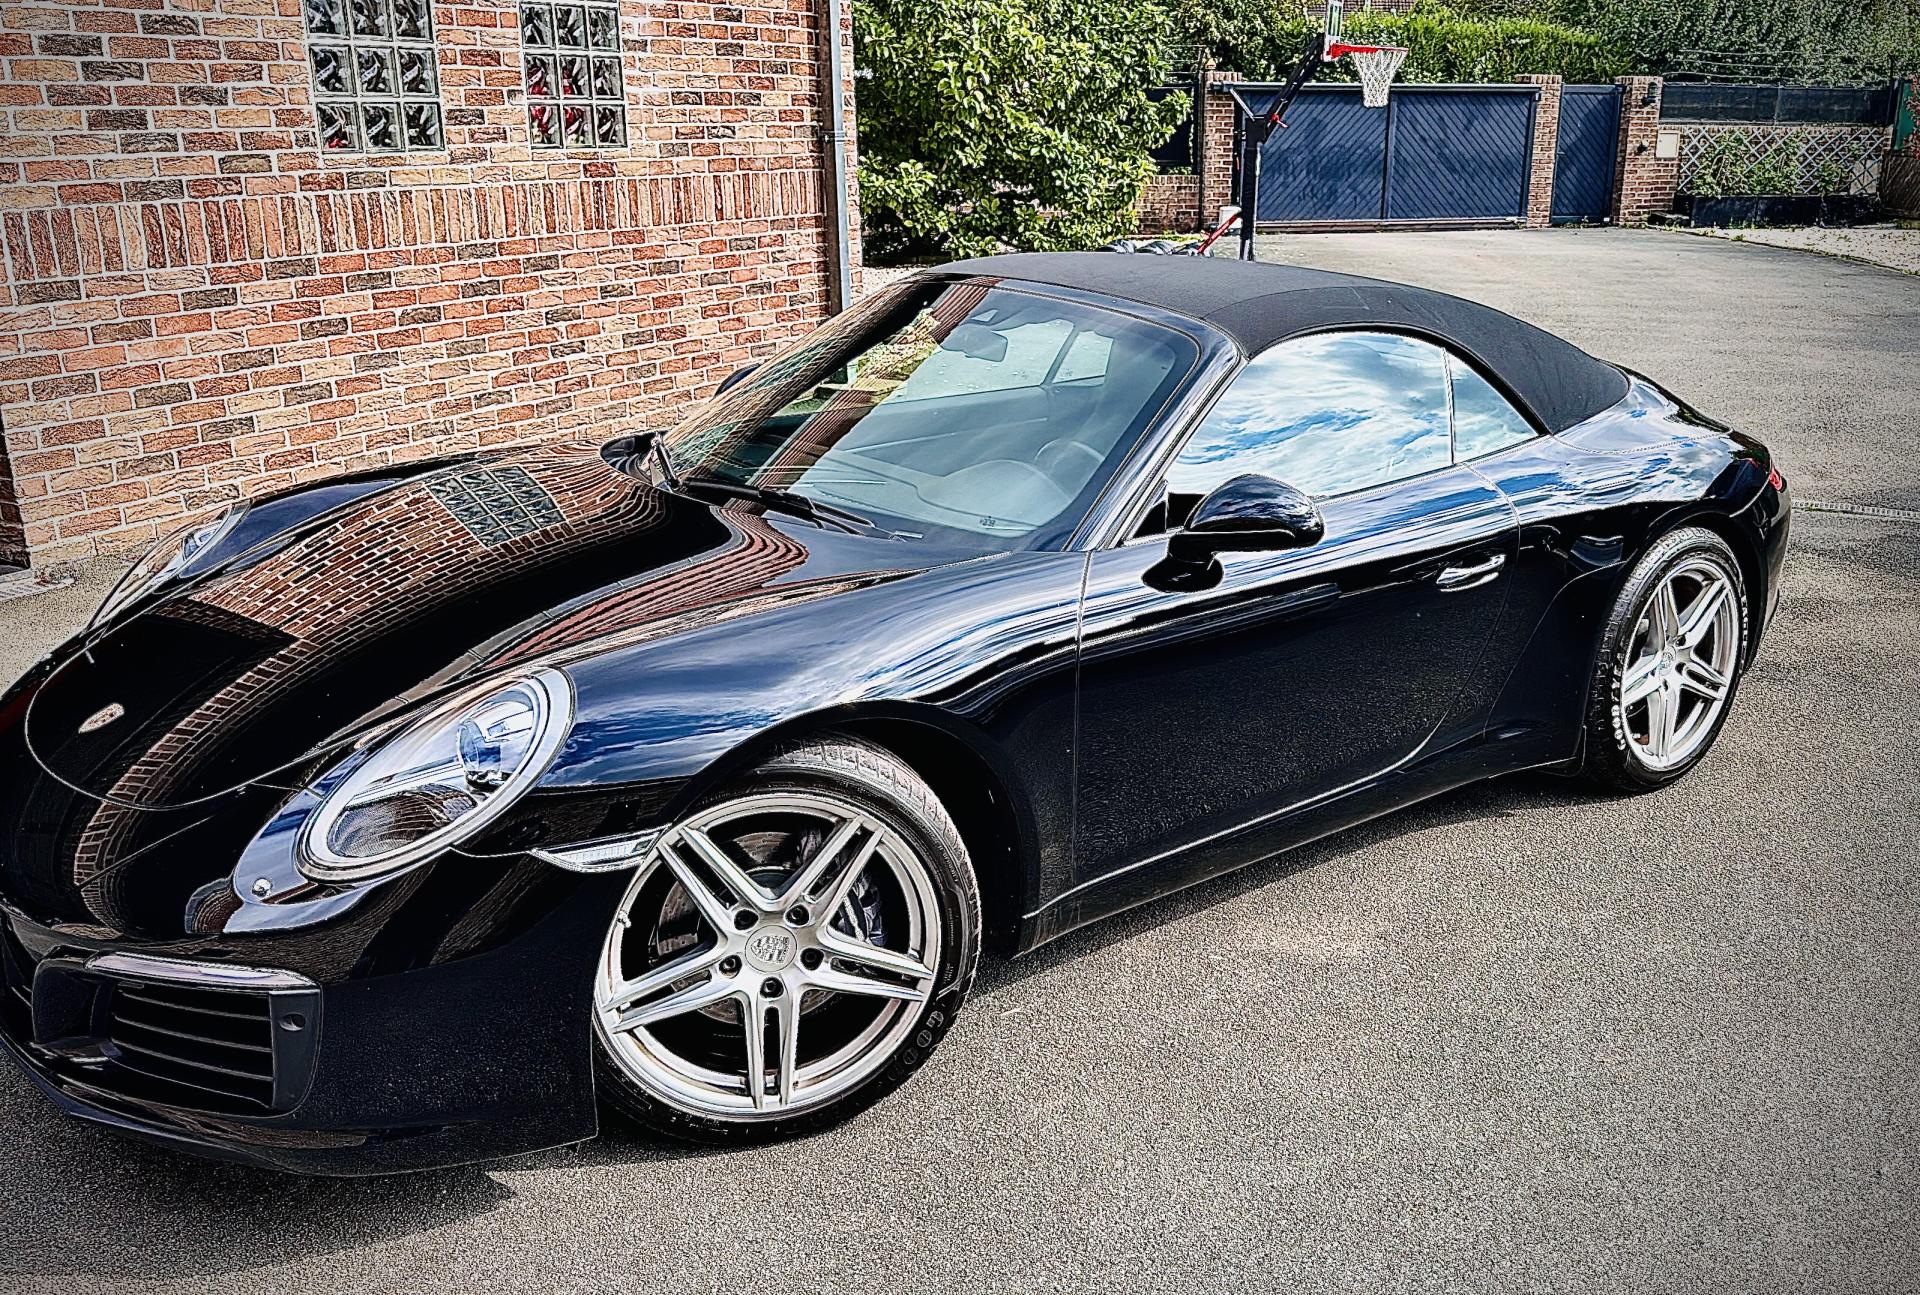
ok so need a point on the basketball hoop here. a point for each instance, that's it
(1377, 66)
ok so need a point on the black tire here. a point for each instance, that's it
(884, 786)
(1611, 760)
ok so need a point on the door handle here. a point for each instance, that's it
(1453, 579)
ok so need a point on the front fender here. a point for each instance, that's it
(982, 653)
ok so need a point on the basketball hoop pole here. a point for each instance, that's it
(1377, 65)
(1256, 127)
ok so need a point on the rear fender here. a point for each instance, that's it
(1591, 503)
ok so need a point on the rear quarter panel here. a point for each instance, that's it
(1590, 501)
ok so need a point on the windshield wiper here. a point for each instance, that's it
(785, 501)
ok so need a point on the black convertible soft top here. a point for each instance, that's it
(1258, 305)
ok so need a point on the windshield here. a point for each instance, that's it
(956, 410)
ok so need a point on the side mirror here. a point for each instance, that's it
(629, 453)
(735, 378)
(1248, 514)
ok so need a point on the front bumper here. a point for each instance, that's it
(219, 1054)
(1777, 530)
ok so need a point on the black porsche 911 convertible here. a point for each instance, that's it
(407, 818)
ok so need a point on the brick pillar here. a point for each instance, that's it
(1546, 148)
(1214, 165)
(1643, 183)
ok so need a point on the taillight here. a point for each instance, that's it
(1774, 478)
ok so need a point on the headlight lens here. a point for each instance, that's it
(436, 781)
(168, 558)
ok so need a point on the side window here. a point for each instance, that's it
(1483, 421)
(1328, 414)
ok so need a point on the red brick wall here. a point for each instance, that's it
(1169, 202)
(1643, 183)
(198, 304)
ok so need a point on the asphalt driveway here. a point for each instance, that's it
(1517, 1039)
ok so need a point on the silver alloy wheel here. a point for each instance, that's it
(767, 885)
(1680, 665)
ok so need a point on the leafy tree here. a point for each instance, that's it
(987, 124)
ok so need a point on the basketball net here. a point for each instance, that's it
(1377, 66)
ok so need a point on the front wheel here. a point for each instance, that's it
(1670, 661)
(791, 951)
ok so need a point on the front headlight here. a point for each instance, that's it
(438, 780)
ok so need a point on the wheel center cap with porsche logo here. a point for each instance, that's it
(771, 949)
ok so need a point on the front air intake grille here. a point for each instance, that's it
(194, 1036)
(195, 1047)
(16, 985)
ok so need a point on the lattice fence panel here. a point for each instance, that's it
(1857, 152)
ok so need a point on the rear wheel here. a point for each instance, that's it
(1670, 663)
(791, 951)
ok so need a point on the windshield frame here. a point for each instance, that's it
(847, 334)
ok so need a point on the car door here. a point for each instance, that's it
(1500, 443)
(1290, 675)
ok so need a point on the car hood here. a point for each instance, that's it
(262, 668)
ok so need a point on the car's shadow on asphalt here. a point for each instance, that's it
(81, 1203)
(78, 1202)
(1496, 799)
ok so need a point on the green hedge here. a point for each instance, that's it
(1810, 41)
(1262, 43)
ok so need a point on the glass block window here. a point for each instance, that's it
(376, 87)
(574, 96)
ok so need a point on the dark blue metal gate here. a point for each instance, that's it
(1329, 163)
(1433, 154)
(1589, 139)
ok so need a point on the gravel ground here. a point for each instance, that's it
(1516, 1039)
(1888, 245)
